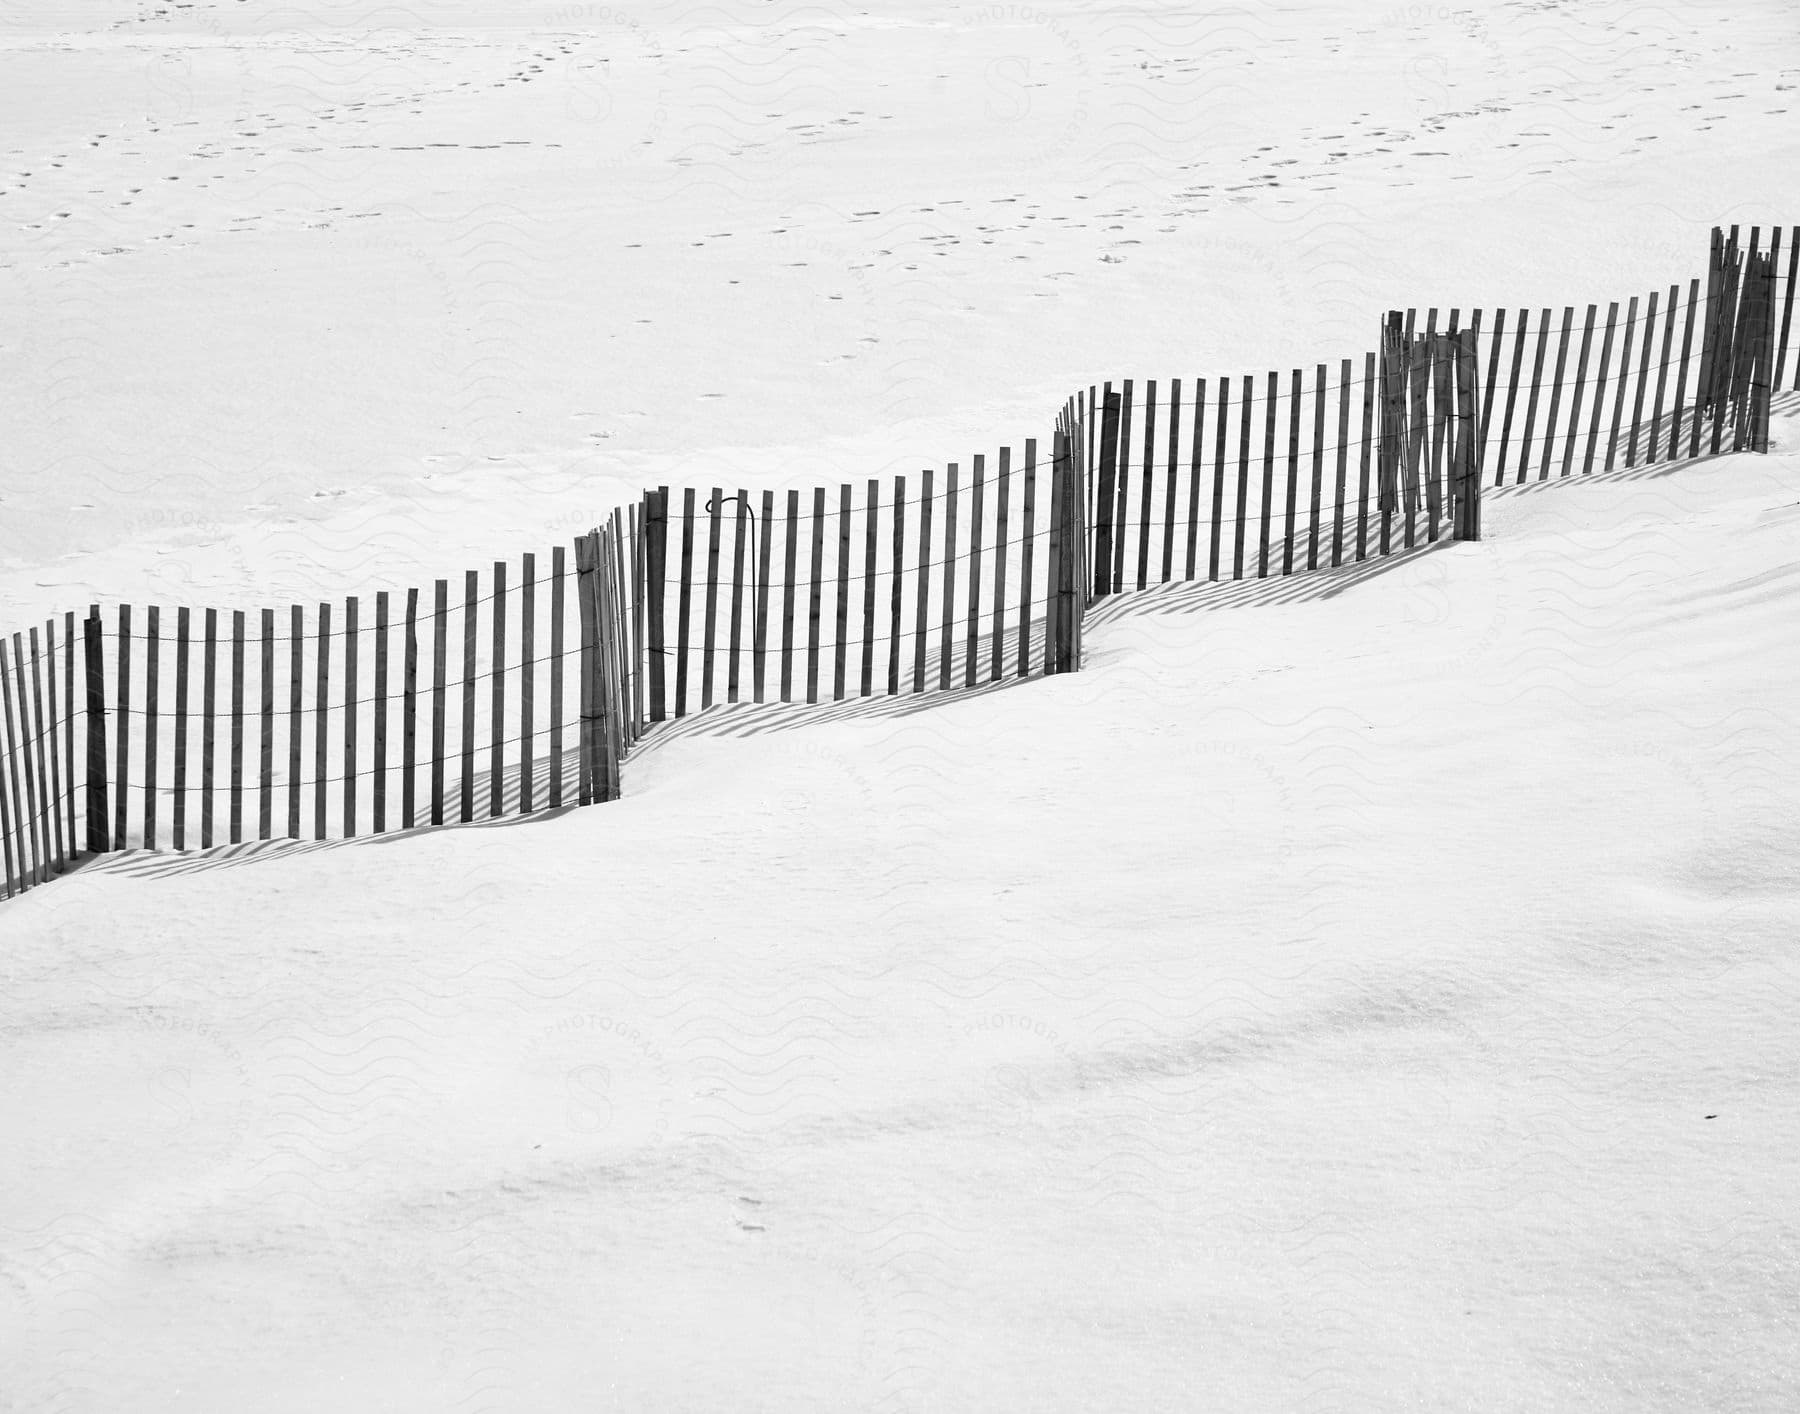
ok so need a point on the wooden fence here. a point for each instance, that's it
(190, 729)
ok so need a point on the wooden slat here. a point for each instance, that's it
(237, 726)
(23, 865)
(1002, 508)
(409, 712)
(1245, 403)
(1106, 492)
(1562, 360)
(58, 859)
(1612, 441)
(12, 855)
(1643, 380)
(1293, 476)
(1513, 384)
(296, 695)
(1580, 390)
(1056, 558)
(1343, 464)
(639, 652)
(1418, 429)
(208, 717)
(93, 644)
(23, 759)
(1121, 518)
(152, 667)
(37, 787)
(789, 576)
(183, 628)
(815, 591)
(839, 660)
(121, 760)
(528, 685)
(321, 723)
(1268, 478)
(1443, 374)
(69, 650)
(1779, 369)
(1493, 373)
(871, 554)
(1318, 468)
(972, 639)
(265, 736)
(44, 738)
(466, 786)
(1027, 552)
(1606, 345)
(351, 685)
(496, 696)
(586, 754)
(1681, 376)
(896, 590)
(684, 601)
(1662, 372)
(656, 575)
(558, 574)
(1221, 434)
(920, 616)
(947, 633)
(709, 634)
(739, 532)
(1171, 478)
(440, 654)
(1196, 477)
(1144, 499)
(1364, 453)
(381, 711)
(1537, 382)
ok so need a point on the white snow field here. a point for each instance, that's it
(1372, 990)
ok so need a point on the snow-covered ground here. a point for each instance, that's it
(1373, 991)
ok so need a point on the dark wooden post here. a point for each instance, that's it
(656, 553)
(97, 804)
(1105, 494)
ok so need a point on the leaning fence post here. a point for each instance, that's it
(97, 803)
(656, 548)
(590, 709)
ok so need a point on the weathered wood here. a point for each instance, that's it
(1171, 480)
(1221, 434)
(1027, 552)
(44, 738)
(740, 528)
(1364, 454)
(528, 685)
(17, 876)
(466, 786)
(972, 638)
(656, 573)
(1612, 441)
(948, 631)
(296, 685)
(1662, 373)
(1055, 555)
(787, 596)
(1537, 382)
(640, 655)
(815, 589)
(350, 714)
(121, 760)
(1144, 500)
(759, 647)
(1512, 394)
(58, 859)
(1293, 474)
(1643, 380)
(1468, 458)
(1121, 517)
(840, 649)
(1443, 451)
(440, 653)
(709, 632)
(1562, 360)
(237, 726)
(1245, 404)
(497, 697)
(896, 591)
(1606, 344)
(12, 771)
(409, 714)
(208, 718)
(1196, 478)
(265, 756)
(1493, 373)
(1002, 505)
(1268, 477)
(99, 837)
(1687, 345)
(684, 602)
(587, 753)
(178, 823)
(73, 815)
(152, 667)
(1105, 494)
(1343, 463)
(558, 573)
(921, 613)
(379, 780)
(1318, 467)
(321, 725)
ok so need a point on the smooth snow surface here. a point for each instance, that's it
(1372, 990)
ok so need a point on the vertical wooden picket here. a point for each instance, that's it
(497, 697)
(740, 524)
(152, 666)
(440, 653)
(920, 618)
(1105, 494)
(839, 659)
(948, 631)
(972, 639)
(350, 714)
(528, 685)
(409, 713)
(558, 573)
(179, 822)
(1293, 474)
(684, 601)
(1002, 504)
(1643, 380)
(321, 727)
(896, 591)
(296, 701)
(1027, 549)
(709, 632)
(265, 756)
(380, 781)
(1171, 477)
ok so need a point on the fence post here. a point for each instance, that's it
(656, 549)
(98, 811)
(1468, 441)
(1104, 494)
(588, 756)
